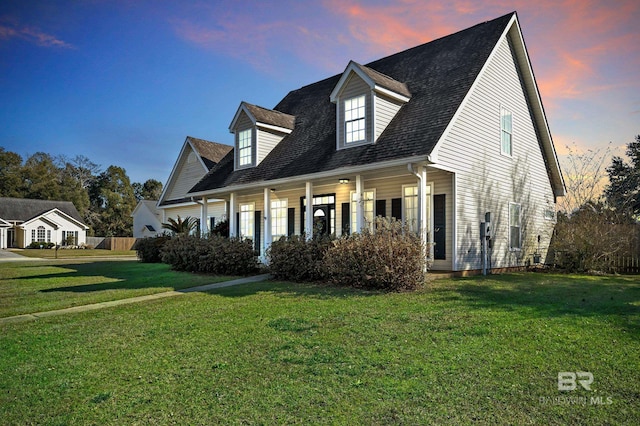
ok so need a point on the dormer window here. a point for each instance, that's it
(366, 103)
(354, 119)
(257, 131)
(244, 148)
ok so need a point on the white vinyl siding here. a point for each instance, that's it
(278, 219)
(265, 142)
(385, 110)
(487, 181)
(189, 171)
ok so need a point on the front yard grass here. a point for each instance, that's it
(475, 350)
(28, 287)
(73, 253)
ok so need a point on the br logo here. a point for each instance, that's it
(567, 380)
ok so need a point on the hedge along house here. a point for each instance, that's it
(24, 221)
(435, 136)
(196, 158)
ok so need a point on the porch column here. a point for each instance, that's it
(267, 220)
(232, 215)
(204, 223)
(359, 206)
(308, 225)
(423, 214)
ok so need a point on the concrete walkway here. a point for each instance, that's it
(102, 305)
(9, 256)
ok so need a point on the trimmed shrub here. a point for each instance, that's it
(183, 252)
(148, 249)
(296, 259)
(392, 258)
(214, 254)
(39, 244)
(226, 256)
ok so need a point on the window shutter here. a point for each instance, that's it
(258, 227)
(346, 219)
(291, 221)
(396, 208)
(440, 225)
(381, 208)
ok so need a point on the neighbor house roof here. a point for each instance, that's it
(25, 209)
(437, 76)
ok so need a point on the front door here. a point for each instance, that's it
(321, 220)
(11, 238)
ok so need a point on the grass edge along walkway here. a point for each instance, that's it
(102, 305)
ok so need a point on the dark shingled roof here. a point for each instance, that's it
(24, 209)
(385, 81)
(210, 152)
(438, 75)
(269, 116)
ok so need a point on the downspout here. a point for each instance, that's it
(203, 219)
(421, 207)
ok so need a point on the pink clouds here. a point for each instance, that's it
(11, 30)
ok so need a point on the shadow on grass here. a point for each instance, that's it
(554, 295)
(122, 275)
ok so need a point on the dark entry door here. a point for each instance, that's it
(321, 220)
(439, 225)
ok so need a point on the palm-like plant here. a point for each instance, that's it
(181, 226)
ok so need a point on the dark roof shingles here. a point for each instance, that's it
(438, 75)
(210, 152)
(24, 209)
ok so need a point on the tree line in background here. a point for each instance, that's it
(104, 198)
(598, 225)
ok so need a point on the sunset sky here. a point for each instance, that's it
(124, 82)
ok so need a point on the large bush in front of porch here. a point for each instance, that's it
(391, 258)
(296, 259)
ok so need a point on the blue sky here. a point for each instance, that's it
(124, 82)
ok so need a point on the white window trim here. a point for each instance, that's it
(362, 118)
(251, 219)
(274, 235)
(519, 226)
(354, 210)
(250, 148)
(502, 151)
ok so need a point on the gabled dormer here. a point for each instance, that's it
(257, 131)
(366, 102)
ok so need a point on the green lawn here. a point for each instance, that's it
(464, 351)
(28, 287)
(71, 254)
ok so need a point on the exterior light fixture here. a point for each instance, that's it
(343, 181)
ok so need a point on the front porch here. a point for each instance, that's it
(420, 196)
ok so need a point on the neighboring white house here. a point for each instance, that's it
(147, 219)
(436, 136)
(24, 221)
(196, 158)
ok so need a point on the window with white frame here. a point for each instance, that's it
(33, 235)
(41, 234)
(247, 220)
(354, 120)
(278, 219)
(506, 131)
(48, 235)
(410, 204)
(368, 209)
(515, 228)
(244, 147)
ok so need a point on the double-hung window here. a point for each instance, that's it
(515, 227)
(278, 219)
(368, 210)
(247, 220)
(41, 234)
(506, 131)
(354, 120)
(244, 147)
(410, 200)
